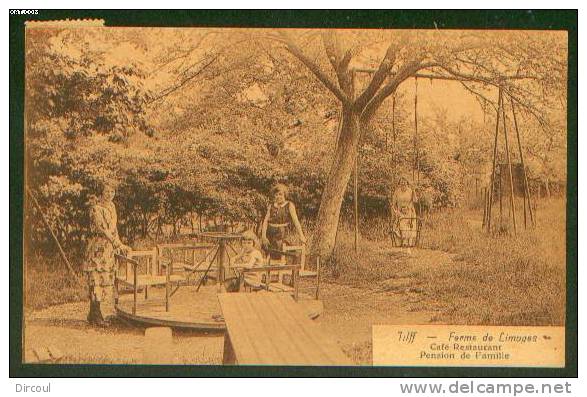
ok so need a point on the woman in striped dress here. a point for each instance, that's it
(100, 264)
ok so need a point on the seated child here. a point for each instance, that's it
(250, 257)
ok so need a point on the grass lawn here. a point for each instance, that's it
(502, 279)
(48, 283)
(493, 280)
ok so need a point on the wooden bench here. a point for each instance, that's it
(272, 329)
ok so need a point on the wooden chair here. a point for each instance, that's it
(147, 267)
(269, 283)
(312, 290)
(147, 279)
(185, 256)
(300, 251)
(294, 251)
(190, 259)
(281, 268)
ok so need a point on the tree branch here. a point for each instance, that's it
(339, 62)
(477, 94)
(186, 80)
(330, 48)
(497, 81)
(404, 73)
(183, 53)
(315, 69)
(378, 78)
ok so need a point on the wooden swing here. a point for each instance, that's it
(416, 164)
(489, 195)
(408, 236)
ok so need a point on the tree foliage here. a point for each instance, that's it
(201, 123)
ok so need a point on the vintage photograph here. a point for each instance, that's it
(244, 196)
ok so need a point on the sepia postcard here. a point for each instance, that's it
(289, 196)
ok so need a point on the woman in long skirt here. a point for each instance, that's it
(100, 263)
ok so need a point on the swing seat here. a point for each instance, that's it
(407, 232)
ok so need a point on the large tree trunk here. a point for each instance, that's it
(340, 172)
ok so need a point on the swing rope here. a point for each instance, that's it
(416, 169)
(393, 134)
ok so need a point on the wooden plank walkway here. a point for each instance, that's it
(272, 329)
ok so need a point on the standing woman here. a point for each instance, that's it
(403, 211)
(100, 264)
(277, 225)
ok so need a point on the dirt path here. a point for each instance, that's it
(65, 328)
(349, 313)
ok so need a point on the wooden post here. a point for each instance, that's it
(116, 289)
(220, 262)
(318, 277)
(167, 279)
(294, 276)
(134, 283)
(356, 193)
(267, 279)
(416, 172)
(492, 181)
(484, 191)
(507, 153)
(356, 178)
(500, 189)
(526, 187)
